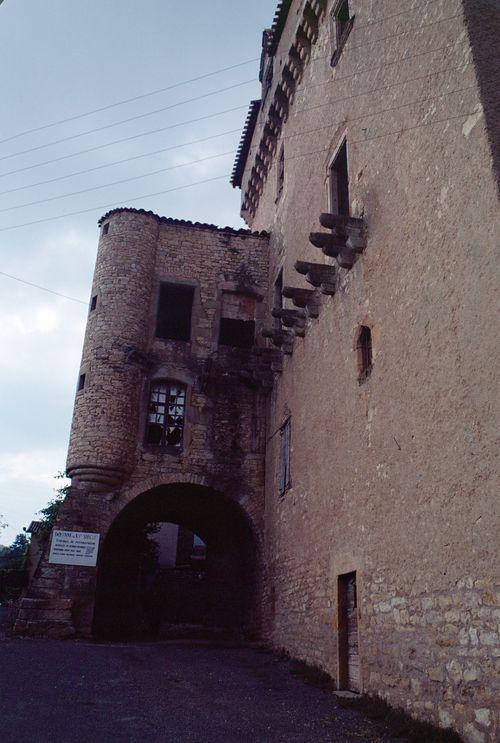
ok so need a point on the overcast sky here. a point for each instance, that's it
(60, 59)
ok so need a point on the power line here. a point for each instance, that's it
(217, 178)
(155, 131)
(139, 116)
(43, 288)
(116, 183)
(127, 139)
(128, 100)
(296, 134)
(119, 162)
(115, 203)
(126, 121)
(211, 157)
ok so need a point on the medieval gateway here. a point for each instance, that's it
(311, 400)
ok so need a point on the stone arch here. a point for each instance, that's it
(232, 577)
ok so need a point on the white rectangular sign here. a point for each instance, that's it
(74, 548)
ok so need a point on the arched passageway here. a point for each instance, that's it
(213, 582)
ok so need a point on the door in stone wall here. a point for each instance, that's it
(349, 676)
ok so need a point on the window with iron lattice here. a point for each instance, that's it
(166, 414)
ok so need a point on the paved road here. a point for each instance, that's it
(70, 691)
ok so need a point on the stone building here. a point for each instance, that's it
(330, 431)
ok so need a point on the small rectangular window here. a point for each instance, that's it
(341, 24)
(285, 480)
(93, 303)
(278, 298)
(174, 312)
(167, 405)
(339, 183)
(81, 383)
(364, 349)
(237, 322)
(281, 173)
(105, 228)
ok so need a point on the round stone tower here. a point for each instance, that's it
(105, 419)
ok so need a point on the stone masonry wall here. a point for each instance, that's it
(224, 436)
(393, 478)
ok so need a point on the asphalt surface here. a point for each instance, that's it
(65, 691)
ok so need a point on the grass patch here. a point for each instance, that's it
(399, 724)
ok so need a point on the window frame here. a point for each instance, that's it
(280, 175)
(285, 458)
(339, 31)
(364, 350)
(333, 180)
(183, 285)
(163, 444)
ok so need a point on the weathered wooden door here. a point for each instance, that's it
(349, 675)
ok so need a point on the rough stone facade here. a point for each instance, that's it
(393, 478)
(392, 473)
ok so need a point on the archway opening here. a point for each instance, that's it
(179, 560)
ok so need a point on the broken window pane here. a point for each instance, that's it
(166, 422)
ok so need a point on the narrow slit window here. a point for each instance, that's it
(285, 479)
(237, 322)
(339, 183)
(341, 24)
(364, 349)
(175, 307)
(81, 383)
(166, 414)
(105, 228)
(278, 298)
(281, 173)
(93, 303)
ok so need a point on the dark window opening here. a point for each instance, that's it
(281, 173)
(105, 229)
(341, 24)
(81, 383)
(268, 79)
(174, 312)
(167, 405)
(339, 183)
(93, 303)
(285, 480)
(278, 298)
(237, 333)
(364, 349)
(237, 322)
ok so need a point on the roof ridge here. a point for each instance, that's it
(182, 222)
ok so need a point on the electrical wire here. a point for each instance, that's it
(119, 162)
(123, 180)
(128, 139)
(43, 288)
(128, 100)
(155, 131)
(115, 203)
(126, 121)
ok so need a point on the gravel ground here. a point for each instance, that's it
(65, 691)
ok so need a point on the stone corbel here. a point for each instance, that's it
(319, 275)
(352, 228)
(303, 44)
(303, 298)
(334, 247)
(294, 319)
(282, 339)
